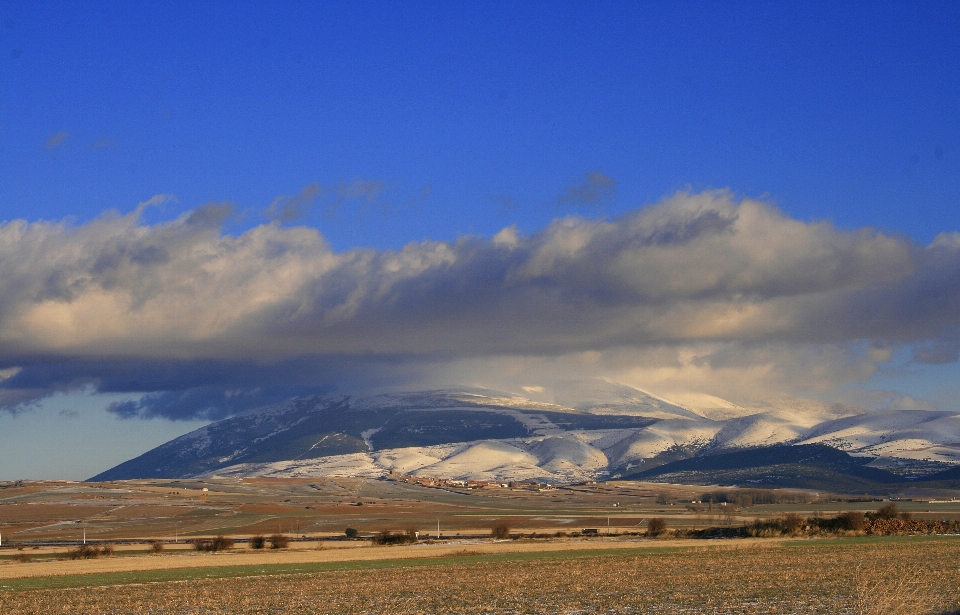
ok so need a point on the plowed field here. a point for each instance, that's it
(887, 576)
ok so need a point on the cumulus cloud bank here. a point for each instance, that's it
(700, 286)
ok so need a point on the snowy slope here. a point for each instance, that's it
(602, 396)
(907, 434)
(590, 430)
(563, 458)
(757, 430)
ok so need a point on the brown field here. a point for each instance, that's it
(348, 551)
(324, 507)
(890, 576)
(464, 571)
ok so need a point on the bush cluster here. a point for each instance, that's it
(279, 541)
(220, 543)
(90, 552)
(387, 537)
(885, 521)
(258, 542)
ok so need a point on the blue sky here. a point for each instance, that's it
(328, 127)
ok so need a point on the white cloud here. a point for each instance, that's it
(698, 291)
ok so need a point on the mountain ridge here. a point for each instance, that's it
(602, 429)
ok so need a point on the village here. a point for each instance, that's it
(434, 481)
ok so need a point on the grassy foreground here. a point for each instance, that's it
(824, 576)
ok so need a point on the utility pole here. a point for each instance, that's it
(438, 527)
(84, 535)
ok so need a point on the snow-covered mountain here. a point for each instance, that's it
(901, 434)
(593, 429)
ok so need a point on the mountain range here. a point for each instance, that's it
(590, 430)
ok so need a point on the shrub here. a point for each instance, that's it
(258, 542)
(22, 558)
(387, 537)
(656, 526)
(500, 531)
(156, 546)
(792, 523)
(764, 528)
(351, 532)
(279, 541)
(90, 552)
(220, 543)
(851, 521)
(888, 511)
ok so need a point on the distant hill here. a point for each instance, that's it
(593, 430)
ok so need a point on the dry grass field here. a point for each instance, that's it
(890, 576)
(536, 572)
(51, 562)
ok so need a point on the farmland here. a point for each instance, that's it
(172, 510)
(893, 575)
(546, 566)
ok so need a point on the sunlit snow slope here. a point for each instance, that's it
(593, 429)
